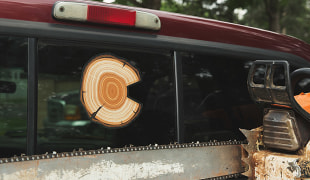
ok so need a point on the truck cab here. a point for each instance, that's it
(193, 76)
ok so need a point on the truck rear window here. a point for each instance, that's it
(13, 95)
(216, 99)
(63, 123)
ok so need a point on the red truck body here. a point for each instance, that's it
(173, 25)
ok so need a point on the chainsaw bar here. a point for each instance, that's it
(209, 160)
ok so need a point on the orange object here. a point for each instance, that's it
(303, 99)
(104, 91)
(280, 105)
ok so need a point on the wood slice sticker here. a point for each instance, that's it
(104, 91)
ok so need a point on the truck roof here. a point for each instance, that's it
(172, 24)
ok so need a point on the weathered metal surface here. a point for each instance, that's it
(304, 162)
(281, 130)
(254, 140)
(272, 166)
(195, 162)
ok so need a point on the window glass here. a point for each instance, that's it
(13, 95)
(216, 100)
(60, 69)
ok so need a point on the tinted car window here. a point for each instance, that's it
(60, 70)
(216, 100)
(13, 95)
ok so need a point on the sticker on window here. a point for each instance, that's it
(104, 91)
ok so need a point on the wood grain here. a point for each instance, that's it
(104, 91)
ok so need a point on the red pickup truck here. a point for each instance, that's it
(192, 77)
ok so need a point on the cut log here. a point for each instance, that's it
(104, 91)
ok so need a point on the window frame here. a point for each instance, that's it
(32, 97)
(33, 89)
(38, 30)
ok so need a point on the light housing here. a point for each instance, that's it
(105, 14)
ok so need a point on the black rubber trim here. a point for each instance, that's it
(85, 34)
(32, 97)
(298, 75)
(177, 63)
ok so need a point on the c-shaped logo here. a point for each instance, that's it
(104, 91)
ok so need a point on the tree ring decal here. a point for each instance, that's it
(104, 91)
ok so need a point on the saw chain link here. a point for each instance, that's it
(81, 152)
(230, 176)
(108, 150)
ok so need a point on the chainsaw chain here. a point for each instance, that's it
(230, 176)
(107, 150)
(81, 152)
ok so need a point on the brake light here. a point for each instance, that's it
(110, 15)
(105, 15)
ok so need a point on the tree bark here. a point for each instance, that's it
(273, 13)
(151, 4)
